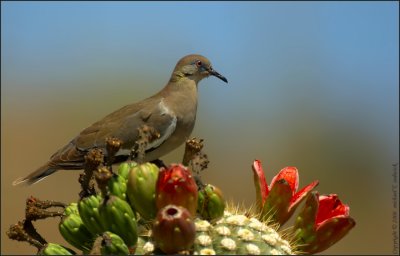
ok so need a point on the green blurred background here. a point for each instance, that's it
(313, 85)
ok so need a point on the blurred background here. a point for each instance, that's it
(313, 85)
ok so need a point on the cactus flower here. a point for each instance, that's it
(176, 185)
(281, 198)
(174, 230)
(323, 221)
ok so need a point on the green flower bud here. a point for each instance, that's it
(118, 217)
(74, 231)
(142, 188)
(55, 249)
(211, 204)
(113, 244)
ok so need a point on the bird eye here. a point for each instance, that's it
(198, 63)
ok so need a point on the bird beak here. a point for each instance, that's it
(216, 74)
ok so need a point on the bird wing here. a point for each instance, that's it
(122, 124)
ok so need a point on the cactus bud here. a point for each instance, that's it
(89, 211)
(141, 189)
(176, 185)
(174, 230)
(124, 168)
(118, 217)
(117, 186)
(112, 244)
(74, 231)
(55, 249)
(211, 204)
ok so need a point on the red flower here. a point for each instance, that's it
(323, 221)
(280, 199)
(176, 185)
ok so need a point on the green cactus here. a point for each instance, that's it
(89, 211)
(144, 246)
(142, 188)
(124, 169)
(74, 231)
(72, 208)
(211, 204)
(117, 186)
(233, 234)
(112, 244)
(106, 223)
(117, 216)
(238, 234)
(55, 249)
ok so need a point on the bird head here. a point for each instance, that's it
(195, 67)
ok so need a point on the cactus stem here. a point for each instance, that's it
(24, 231)
(93, 159)
(147, 134)
(192, 147)
(36, 209)
(102, 176)
(113, 144)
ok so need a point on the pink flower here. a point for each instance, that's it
(280, 199)
(323, 221)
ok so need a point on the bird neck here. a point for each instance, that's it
(180, 82)
(178, 76)
(182, 95)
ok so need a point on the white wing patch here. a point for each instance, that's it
(164, 110)
(170, 129)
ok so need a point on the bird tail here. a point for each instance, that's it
(36, 176)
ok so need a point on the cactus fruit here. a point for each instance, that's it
(211, 204)
(176, 185)
(112, 244)
(174, 229)
(142, 188)
(89, 211)
(74, 231)
(117, 216)
(55, 249)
